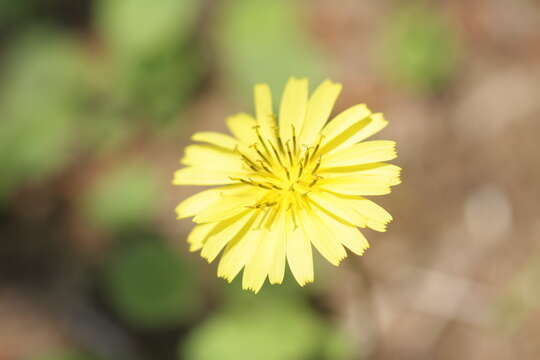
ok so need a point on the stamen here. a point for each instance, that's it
(249, 182)
(317, 178)
(251, 165)
(321, 137)
(280, 143)
(294, 138)
(289, 153)
(261, 163)
(261, 154)
(317, 166)
(301, 169)
(277, 154)
(308, 155)
(261, 140)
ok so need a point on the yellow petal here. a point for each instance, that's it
(350, 127)
(318, 110)
(204, 199)
(293, 107)
(376, 217)
(278, 238)
(203, 176)
(321, 237)
(389, 172)
(237, 254)
(299, 256)
(217, 139)
(341, 207)
(264, 111)
(229, 204)
(345, 125)
(224, 232)
(349, 236)
(198, 236)
(377, 123)
(360, 154)
(212, 157)
(359, 184)
(242, 126)
(257, 268)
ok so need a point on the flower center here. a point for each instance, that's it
(282, 166)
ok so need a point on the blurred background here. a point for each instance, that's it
(98, 99)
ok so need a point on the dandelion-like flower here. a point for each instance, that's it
(288, 182)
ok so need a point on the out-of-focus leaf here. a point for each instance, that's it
(12, 12)
(263, 41)
(150, 286)
(418, 47)
(157, 86)
(133, 27)
(155, 67)
(40, 95)
(338, 346)
(123, 198)
(270, 330)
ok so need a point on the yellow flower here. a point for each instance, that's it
(289, 182)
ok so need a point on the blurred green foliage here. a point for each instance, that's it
(124, 198)
(271, 328)
(12, 12)
(135, 28)
(157, 86)
(41, 97)
(156, 65)
(151, 286)
(418, 48)
(264, 41)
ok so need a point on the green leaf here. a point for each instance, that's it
(263, 41)
(123, 198)
(40, 96)
(270, 330)
(150, 286)
(134, 27)
(157, 86)
(418, 48)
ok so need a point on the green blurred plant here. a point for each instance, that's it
(156, 66)
(263, 41)
(40, 99)
(123, 198)
(135, 28)
(418, 47)
(13, 12)
(151, 286)
(53, 105)
(272, 328)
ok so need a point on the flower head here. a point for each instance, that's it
(288, 182)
